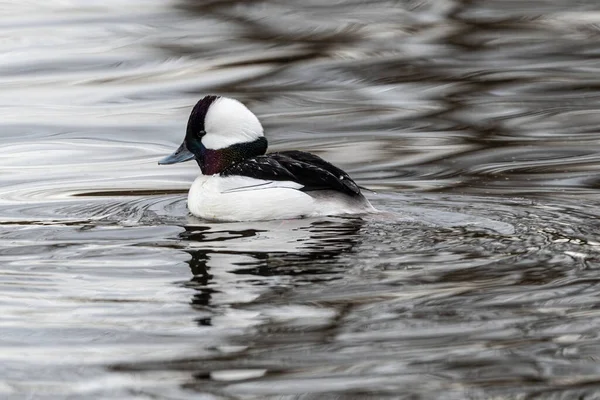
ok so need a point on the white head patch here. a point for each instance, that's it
(229, 122)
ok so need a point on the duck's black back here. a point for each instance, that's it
(309, 170)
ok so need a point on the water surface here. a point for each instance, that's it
(476, 123)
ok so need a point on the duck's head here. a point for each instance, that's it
(220, 132)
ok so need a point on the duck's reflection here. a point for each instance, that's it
(201, 279)
(233, 265)
(240, 279)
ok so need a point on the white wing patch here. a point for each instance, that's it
(240, 184)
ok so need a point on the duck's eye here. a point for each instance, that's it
(201, 133)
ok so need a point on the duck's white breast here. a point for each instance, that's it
(237, 198)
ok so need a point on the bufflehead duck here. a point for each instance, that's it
(239, 182)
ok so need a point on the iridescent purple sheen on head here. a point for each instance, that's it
(215, 161)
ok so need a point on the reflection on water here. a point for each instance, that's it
(448, 310)
(109, 289)
(229, 277)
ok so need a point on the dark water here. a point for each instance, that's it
(477, 123)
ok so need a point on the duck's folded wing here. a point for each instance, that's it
(236, 183)
(305, 169)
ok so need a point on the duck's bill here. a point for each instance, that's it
(181, 154)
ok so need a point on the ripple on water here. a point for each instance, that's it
(108, 288)
(378, 301)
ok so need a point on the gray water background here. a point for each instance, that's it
(476, 122)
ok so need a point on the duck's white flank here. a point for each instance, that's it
(239, 198)
(229, 122)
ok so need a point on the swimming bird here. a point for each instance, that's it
(239, 182)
